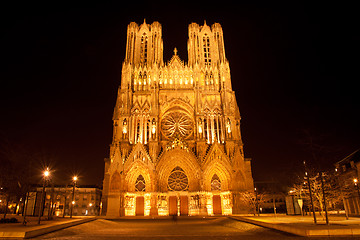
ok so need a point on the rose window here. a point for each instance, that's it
(177, 180)
(176, 123)
(215, 183)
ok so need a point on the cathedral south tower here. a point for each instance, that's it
(177, 146)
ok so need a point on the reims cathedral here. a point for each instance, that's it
(176, 146)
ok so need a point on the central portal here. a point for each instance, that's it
(173, 205)
(184, 206)
(217, 204)
(139, 206)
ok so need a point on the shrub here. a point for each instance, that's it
(9, 220)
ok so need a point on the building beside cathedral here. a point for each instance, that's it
(176, 147)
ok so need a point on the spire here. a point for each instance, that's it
(204, 22)
(175, 51)
(144, 21)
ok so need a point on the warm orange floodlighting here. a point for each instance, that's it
(355, 180)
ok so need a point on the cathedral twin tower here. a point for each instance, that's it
(176, 147)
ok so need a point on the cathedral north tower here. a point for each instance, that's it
(177, 146)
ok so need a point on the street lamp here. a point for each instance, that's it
(355, 180)
(256, 202)
(339, 182)
(75, 178)
(46, 174)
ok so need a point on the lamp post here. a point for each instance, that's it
(75, 178)
(342, 194)
(46, 175)
(256, 202)
(357, 186)
(355, 180)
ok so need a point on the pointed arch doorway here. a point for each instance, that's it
(216, 186)
(140, 186)
(179, 183)
(217, 205)
(139, 211)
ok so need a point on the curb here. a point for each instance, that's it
(44, 230)
(303, 232)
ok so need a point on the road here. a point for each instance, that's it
(184, 228)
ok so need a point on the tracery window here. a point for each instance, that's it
(177, 122)
(144, 48)
(206, 46)
(138, 133)
(206, 129)
(129, 45)
(228, 126)
(147, 131)
(124, 130)
(140, 184)
(215, 183)
(178, 180)
(216, 129)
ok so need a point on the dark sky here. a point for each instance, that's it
(294, 66)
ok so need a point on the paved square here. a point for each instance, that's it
(184, 228)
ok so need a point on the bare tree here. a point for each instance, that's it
(252, 200)
(15, 177)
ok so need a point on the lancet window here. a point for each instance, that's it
(215, 183)
(228, 127)
(140, 185)
(124, 128)
(141, 129)
(147, 132)
(213, 127)
(206, 46)
(138, 132)
(144, 48)
(130, 45)
(220, 45)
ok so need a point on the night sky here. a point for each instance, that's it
(294, 68)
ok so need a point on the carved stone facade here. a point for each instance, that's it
(176, 147)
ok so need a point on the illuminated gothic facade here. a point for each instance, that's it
(176, 147)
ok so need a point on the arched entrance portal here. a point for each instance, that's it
(178, 170)
(178, 184)
(178, 176)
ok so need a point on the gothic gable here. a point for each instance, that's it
(175, 61)
(216, 162)
(116, 163)
(216, 153)
(144, 27)
(138, 153)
